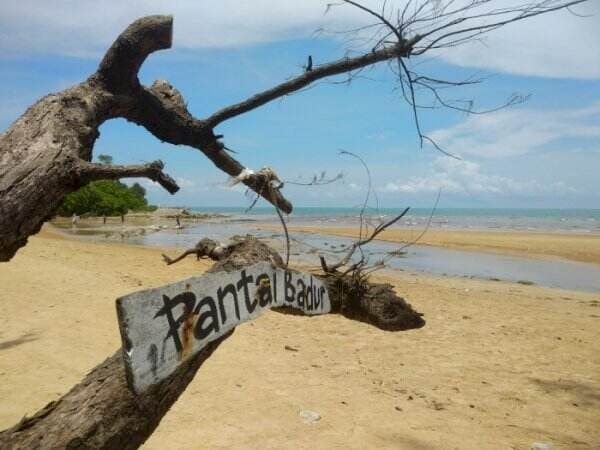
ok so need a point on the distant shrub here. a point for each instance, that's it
(105, 198)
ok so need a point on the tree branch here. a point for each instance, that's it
(205, 247)
(190, 251)
(356, 245)
(161, 110)
(153, 171)
(400, 49)
(121, 63)
(526, 12)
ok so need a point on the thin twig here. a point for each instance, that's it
(428, 224)
(287, 237)
(360, 243)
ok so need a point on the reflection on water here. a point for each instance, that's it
(553, 273)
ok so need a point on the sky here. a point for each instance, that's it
(543, 153)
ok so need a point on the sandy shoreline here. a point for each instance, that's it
(576, 247)
(498, 365)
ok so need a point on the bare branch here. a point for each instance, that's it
(381, 17)
(180, 127)
(425, 230)
(320, 180)
(526, 11)
(121, 63)
(204, 248)
(360, 243)
(42, 149)
(369, 190)
(162, 111)
(443, 24)
(287, 236)
(440, 149)
(169, 261)
(270, 179)
(341, 66)
(153, 171)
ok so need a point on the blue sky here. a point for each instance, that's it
(544, 153)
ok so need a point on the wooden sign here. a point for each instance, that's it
(162, 327)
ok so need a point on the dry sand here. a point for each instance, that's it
(577, 247)
(497, 366)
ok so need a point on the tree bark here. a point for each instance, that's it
(101, 412)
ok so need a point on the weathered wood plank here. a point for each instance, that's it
(162, 327)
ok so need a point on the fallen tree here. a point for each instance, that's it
(102, 412)
(47, 153)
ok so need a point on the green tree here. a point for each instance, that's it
(138, 190)
(105, 198)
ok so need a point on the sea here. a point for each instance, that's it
(501, 219)
(222, 223)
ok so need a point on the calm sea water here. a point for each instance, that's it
(534, 219)
(306, 246)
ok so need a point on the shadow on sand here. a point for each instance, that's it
(28, 337)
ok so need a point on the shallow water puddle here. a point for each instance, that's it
(558, 273)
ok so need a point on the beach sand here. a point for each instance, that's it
(497, 366)
(576, 247)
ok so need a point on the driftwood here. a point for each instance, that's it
(101, 411)
(204, 248)
(353, 296)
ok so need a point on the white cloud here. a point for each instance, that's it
(467, 177)
(557, 45)
(512, 131)
(185, 183)
(84, 28)
(146, 183)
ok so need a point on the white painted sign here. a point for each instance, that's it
(163, 327)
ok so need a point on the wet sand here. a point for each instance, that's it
(132, 224)
(498, 365)
(576, 247)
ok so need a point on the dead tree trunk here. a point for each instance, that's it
(101, 411)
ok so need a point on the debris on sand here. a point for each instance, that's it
(310, 417)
